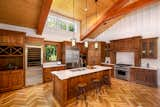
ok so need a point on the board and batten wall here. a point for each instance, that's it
(144, 22)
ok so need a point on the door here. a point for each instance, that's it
(34, 60)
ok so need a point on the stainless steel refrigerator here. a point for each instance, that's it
(72, 57)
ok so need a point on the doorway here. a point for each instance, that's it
(34, 65)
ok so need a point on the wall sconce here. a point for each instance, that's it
(86, 44)
(96, 45)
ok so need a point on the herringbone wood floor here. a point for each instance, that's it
(121, 94)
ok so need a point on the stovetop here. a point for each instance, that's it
(123, 65)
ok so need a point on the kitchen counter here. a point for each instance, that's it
(65, 82)
(49, 65)
(107, 63)
(150, 68)
(66, 74)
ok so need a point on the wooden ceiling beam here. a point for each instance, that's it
(118, 13)
(116, 5)
(130, 8)
(43, 15)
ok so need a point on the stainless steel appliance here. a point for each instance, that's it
(72, 57)
(122, 71)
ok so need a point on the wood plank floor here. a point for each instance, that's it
(121, 94)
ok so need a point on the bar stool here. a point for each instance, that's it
(81, 90)
(96, 84)
(105, 80)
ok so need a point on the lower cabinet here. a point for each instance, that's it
(11, 80)
(144, 76)
(47, 76)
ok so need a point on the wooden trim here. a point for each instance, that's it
(132, 7)
(117, 13)
(43, 16)
(117, 5)
(126, 38)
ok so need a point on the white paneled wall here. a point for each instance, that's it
(144, 22)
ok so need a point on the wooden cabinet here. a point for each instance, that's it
(107, 50)
(11, 80)
(47, 72)
(144, 76)
(132, 44)
(83, 50)
(110, 65)
(4, 79)
(10, 38)
(96, 56)
(149, 48)
(16, 79)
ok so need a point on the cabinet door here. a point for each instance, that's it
(16, 41)
(140, 76)
(16, 79)
(47, 74)
(4, 40)
(151, 78)
(152, 50)
(144, 48)
(4, 79)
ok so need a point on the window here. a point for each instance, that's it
(60, 24)
(51, 53)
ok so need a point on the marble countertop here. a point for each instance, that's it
(52, 65)
(66, 74)
(150, 68)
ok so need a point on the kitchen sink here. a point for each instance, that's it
(78, 69)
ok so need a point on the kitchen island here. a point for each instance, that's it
(66, 81)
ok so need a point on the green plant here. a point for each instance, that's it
(51, 53)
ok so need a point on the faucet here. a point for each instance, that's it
(147, 65)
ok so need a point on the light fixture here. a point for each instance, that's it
(96, 45)
(86, 44)
(73, 42)
(86, 8)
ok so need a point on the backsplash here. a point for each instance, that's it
(151, 62)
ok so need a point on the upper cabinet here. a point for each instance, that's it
(149, 48)
(11, 38)
(107, 50)
(96, 55)
(127, 44)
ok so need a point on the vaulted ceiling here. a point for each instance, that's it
(101, 14)
(33, 13)
(20, 12)
(65, 7)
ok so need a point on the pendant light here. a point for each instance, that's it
(86, 9)
(73, 40)
(96, 43)
(86, 44)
